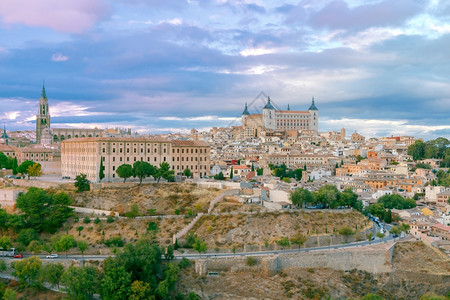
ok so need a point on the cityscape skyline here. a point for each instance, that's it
(158, 67)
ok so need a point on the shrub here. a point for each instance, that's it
(97, 220)
(284, 242)
(184, 263)
(114, 241)
(110, 219)
(86, 220)
(251, 261)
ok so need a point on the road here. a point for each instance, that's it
(377, 240)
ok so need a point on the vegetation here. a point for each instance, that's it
(328, 196)
(438, 148)
(382, 209)
(82, 183)
(125, 171)
(283, 172)
(101, 172)
(44, 211)
(187, 173)
(219, 176)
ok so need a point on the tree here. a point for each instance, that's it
(346, 232)
(417, 150)
(298, 239)
(82, 246)
(164, 172)
(34, 247)
(44, 211)
(187, 173)
(82, 183)
(101, 172)
(219, 176)
(23, 168)
(395, 231)
(125, 171)
(26, 236)
(3, 160)
(79, 229)
(34, 170)
(5, 242)
(116, 284)
(27, 270)
(369, 236)
(140, 290)
(328, 195)
(388, 217)
(65, 243)
(259, 171)
(231, 173)
(81, 282)
(301, 197)
(52, 273)
(380, 235)
(169, 253)
(396, 201)
(15, 166)
(9, 294)
(47, 247)
(142, 169)
(200, 246)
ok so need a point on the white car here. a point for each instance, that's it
(52, 256)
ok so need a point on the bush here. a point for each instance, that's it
(114, 242)
(86, 220)
(97, 220)
(251, 261)
(110, 219)
(184, 263)
(284, 242)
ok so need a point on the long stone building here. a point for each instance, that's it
(83, 155)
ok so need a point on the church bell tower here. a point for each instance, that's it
(43, 116)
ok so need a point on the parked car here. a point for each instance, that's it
(66, 177)
(52, 256)
(18, 255)
(9, 176)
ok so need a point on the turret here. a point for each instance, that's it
(269, 115)
(245, 115)
(314, 115)
(43, 116)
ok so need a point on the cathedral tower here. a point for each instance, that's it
(43, 116)
(314, 113)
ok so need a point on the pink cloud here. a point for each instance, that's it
(73, 16)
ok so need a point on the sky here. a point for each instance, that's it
(380, 68)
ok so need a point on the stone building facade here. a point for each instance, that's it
(83, 155)
(279, 120)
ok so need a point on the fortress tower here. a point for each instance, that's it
(43, 116)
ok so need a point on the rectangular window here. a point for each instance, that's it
(121, 159)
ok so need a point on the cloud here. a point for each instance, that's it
(338, 15)
(72, 16)
(58, 57)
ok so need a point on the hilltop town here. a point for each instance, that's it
(274, 195)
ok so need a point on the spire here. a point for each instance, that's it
(43, 94)
(289, 107)
(246, 110)
(4, 135)
(268, 105)
(313, 106)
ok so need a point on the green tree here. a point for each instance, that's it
(369, 236)
(52, 273)
(231, 173)
(82, 183)
(164, 172)
(219, 176)
(346, 232)
(170, 279)
(380, 235)
(101, 172)
(82, 246)
(152, 226)
(142, 169)
(44, 211)
(3, 160)
(169, 253)
(200, 246)
(396, 201)
(65, 243)
(15, 166)
(27, 270)
(328, 195)
(125, 171)
(34, 247)
(417, 150)
(187, 173)
(26, 236)
(395, 230)
(81, 282)
(5, 242)
(388, 217)
(116, 284)
(9, 294)
(259, 171)
(47, 247)
(301, 197)
(23, 168)
(79, 229)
